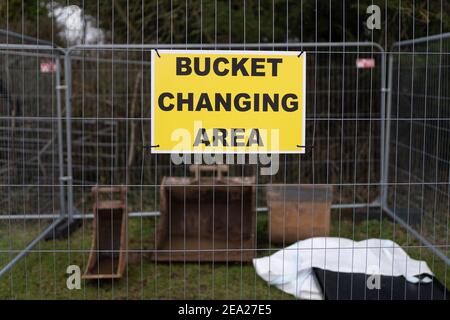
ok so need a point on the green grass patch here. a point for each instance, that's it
(42, 274)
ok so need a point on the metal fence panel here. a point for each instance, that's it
(388, 169)
(31, 156)
(418, 157)
(112, 85)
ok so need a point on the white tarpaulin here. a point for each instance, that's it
(291, 270)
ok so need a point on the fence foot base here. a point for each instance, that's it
(64, 228)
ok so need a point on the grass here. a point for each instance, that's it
(42, 274)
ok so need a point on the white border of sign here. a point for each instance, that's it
(154, 55)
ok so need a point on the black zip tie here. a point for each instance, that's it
(157, 53)
(150, 147)
(306, 147)
(300, 54)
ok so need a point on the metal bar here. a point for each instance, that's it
(19, 36)
(60, 138)
(417, 235)
(4, 46)
(69, 178)
(144, 214)
(386, 141)
(225, 45)
(106, 60)
(26, 54)
(383, 123)
(46, 216)
(420, 40)
(25, 251)
(105, 119)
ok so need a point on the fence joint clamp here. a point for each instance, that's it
(149, 147)
(66, 178)
(61, 87)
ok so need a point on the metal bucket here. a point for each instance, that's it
(107, 257)
(298, 211)
(206, 218)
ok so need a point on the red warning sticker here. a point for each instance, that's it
(48, 67)
(365, 63)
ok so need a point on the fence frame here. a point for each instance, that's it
(255, 46)
(67, 213)
(385, 184)
(56, 54)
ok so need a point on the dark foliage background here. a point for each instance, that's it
(224, 21)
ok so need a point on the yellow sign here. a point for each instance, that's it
(228, 101)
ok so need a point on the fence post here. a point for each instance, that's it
(383, 123)
(69, 177)
(62, 201)
(385, 158)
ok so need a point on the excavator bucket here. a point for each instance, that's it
(298, 211)
(107, 257)
(206, 218)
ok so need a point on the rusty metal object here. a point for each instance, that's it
(107, 258)
(298, 211)
(206, 218)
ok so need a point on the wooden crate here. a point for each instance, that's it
(206, 218)
(298, 211)
(107, 257)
